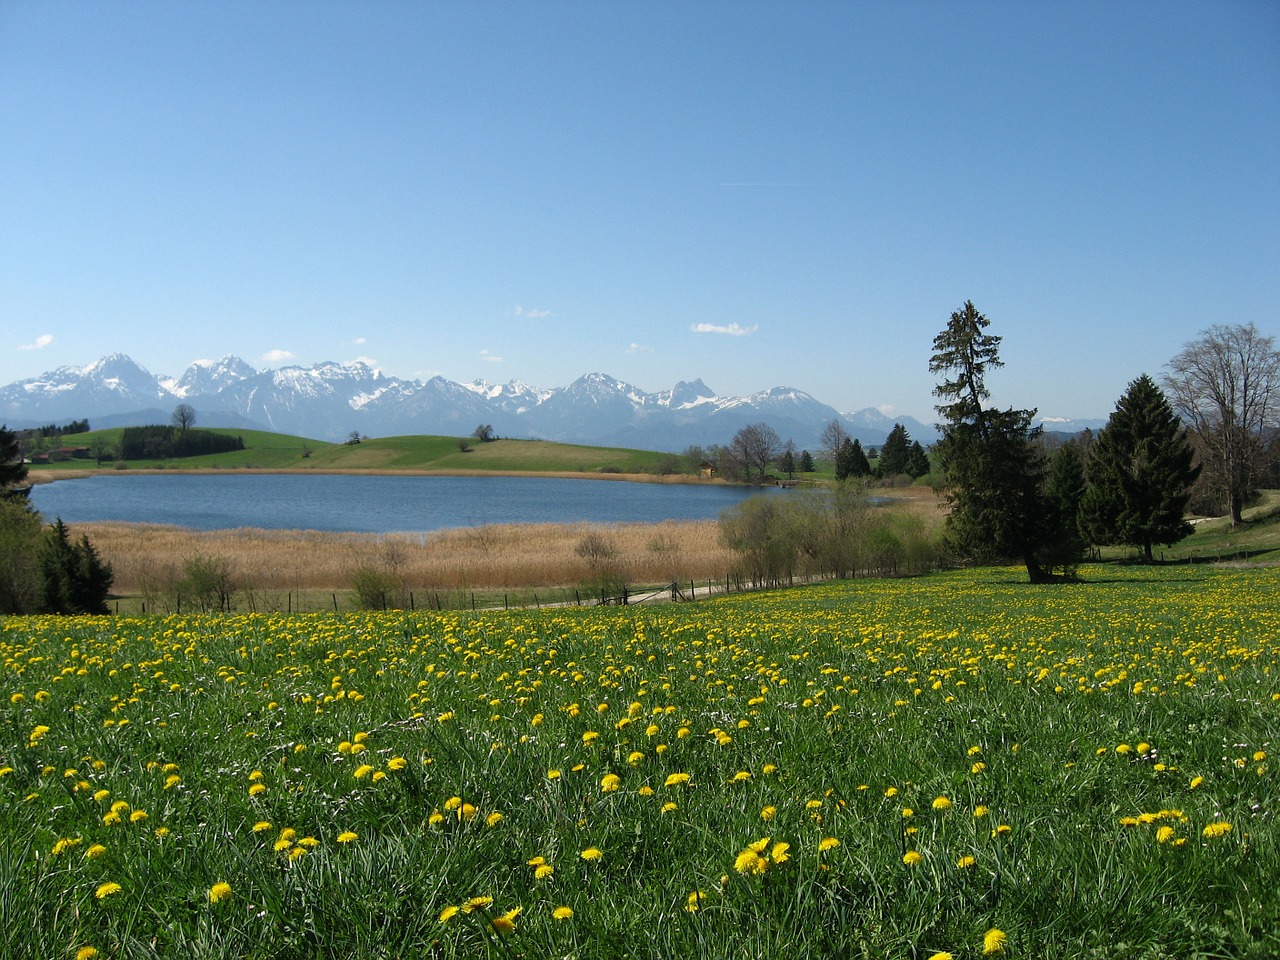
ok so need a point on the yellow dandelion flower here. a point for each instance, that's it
(493, 819)
(94, 851)
(980, 811)
(1164, 834)
(827, 843)
(964, 863)
(106, 890)
(348, 836)
(447, 913)
(907, 813)
(101, 795)
(543, 870)
(592, 853)
(941, 955)
(1195, 782)
(261, 825)
(363, 771)
(993, 942)
(941, 803)
(553, 774)
(297, 852)
(693, 902)
(137, 816)
(562, 913)
(768, 813)
(645, 791)
(282, 845)
(610, 783)
(676, 779)
(749, 861)
(507, 922)
(779, 852)
(911, 858)
(256, 789)
(1218, 829)
(397, 763)
(219, 891)
(475, 903)
(668, 807)
(86, 953)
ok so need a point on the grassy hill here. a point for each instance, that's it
(276, 451)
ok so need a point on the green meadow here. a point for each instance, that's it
(277, 451)
(958, 765)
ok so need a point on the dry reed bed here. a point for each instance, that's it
(495, 556)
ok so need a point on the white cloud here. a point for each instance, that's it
(277, 356)
(888, 409)
(488, 357)
(41, 342)
(731, 329)
(639, 348)
(367, 361)
(359, 340)
(531, 313)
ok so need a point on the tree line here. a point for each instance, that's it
(1208, 437)
(1010, 498)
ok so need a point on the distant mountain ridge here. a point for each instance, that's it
(328, 401)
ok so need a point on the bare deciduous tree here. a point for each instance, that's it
(832, 439)
(755, 446)
(184, 416)
(1226, 385)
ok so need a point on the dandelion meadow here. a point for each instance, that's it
(959, 765)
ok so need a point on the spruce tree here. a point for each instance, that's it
(917, 464)
(1064, 490)
(850, 460)
(993, 465)
(897, 447)
(1140, 474)
(12, 469)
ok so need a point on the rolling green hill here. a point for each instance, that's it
(276, 451)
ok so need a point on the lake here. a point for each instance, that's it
(375, 504)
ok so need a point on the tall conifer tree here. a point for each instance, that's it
(1140, 474)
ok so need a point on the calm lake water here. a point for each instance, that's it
(374, 504)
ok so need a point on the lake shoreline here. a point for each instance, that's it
(55, 474)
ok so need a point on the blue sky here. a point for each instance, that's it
(757, 194)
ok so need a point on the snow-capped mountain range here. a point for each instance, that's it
(328, 401)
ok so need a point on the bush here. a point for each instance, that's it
(43, 571)
(21, 577)
(379, 588)
(206, 585)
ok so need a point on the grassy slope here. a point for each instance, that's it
(275, 451)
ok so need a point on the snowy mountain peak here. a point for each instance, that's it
(209, 376)
(329, 400)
